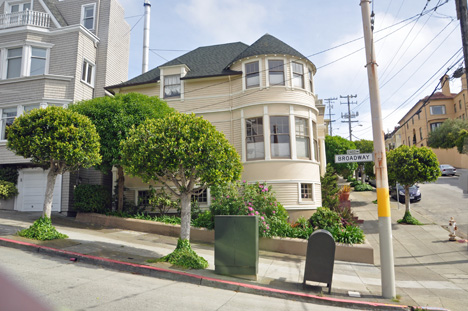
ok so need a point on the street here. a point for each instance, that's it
(442, 200)
(68, 285)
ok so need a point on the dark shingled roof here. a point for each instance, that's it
(215, 60)
(54, 10)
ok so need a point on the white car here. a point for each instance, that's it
(446, 169)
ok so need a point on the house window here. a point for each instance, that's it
(172, 86)
(276, 72)
(302, 138)
(31, 107)
(409, 142)
(306, 192)
(14, 60)
(412, 121)
(419, 116)
(435, 125)
(435, 110)
(38, 61)
(420, 133)
(8, 116)
(202, 197)
(143, 198)
(311, 82)
(87, 75)
(279, 137)
(298, 75)
(252, 75)
(87, 16)
(407, 125)
(459, 104)
(17, 8)
(316, 146)
(254, 139)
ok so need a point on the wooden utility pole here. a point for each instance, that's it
(462, 17)
(349, 115)
(380, 160)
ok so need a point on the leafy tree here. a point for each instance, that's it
(452, 133)
(411, 165)
(329, 183)
(113, 118)
(185, 154)
(57, 138)
(366, 146)
(339, 145)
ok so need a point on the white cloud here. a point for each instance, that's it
(225, 20)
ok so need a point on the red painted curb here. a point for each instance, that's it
(256, 287)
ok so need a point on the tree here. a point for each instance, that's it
(113, 118)
(329, 185)
(452, 133)
(339, 145)
(410, 165)
(185, 154)
(366, 146)
(57, 138)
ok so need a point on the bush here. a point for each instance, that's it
(7, 190)
(159, 199)
(9, 173)
(409, 220)
(347, 235)
(363, 187)
(330, 188)
(324, 218)
(92, 198)
(42, 230)
(185, 257)
(204, 220)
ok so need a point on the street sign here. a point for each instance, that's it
(353, 151)
(348, 158)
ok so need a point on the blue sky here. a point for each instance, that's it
(413, 50)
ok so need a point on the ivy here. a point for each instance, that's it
(42, 230)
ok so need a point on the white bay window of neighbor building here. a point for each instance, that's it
(279, 137)
(254, 139)
(298, 75)
(276, 72)
(8, 116)
(302, 138)
(252, 75)
(14, 62)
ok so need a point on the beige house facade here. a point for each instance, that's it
(55, 53)
(262, 98)
(428, 114)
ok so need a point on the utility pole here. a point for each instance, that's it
(380, 159)
(146, 33)
(330, 107)
(462, 16)
(349, 115)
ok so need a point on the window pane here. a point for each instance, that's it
(8, 116)
(26, 6)
(14, 68)
(437, 110)
(276, 72)
(306, 191)
(31, 107)
(279, 139)
(172, 86)
(89, 11)
(37, 66)
(252, 74)
(89, 78)
(254, 140)
(37, 52)
(302, 146)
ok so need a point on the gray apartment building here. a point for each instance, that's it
(56, 52)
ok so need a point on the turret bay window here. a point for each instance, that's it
(172, 86)
(8, 116)
(279, 137)
(298, 75)
(254, 139)
(311, 82)
(302, 138)
(252, 75)
(316, 145)
(276, 72)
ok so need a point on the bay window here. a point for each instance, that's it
(8, 116)
(298, 75)
(14, 61)
(279, 137)
(254, 139)
(252, 75)
(38, 61)
(276, 72)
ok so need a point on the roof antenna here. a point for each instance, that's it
(146, 33)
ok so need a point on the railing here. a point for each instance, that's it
(31, 18)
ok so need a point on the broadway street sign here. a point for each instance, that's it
(347, 158)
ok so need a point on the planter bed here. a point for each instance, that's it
(363, 253)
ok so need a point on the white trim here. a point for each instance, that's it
(266, 133)
(292, 132)
(243, 142)
(30, 78)
(93, 74)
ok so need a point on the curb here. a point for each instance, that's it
(180, 276)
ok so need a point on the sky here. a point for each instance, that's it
(415, 45)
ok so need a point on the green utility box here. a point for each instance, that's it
(236, 245)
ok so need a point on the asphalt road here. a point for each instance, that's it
(76, 286)
(441, 200)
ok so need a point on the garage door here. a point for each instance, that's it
(31, 186)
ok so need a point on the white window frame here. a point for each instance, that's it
(46, 58)
(247, 75)
(2, 120)
(26, 55)
(83, 10)
(310, 197)
(304, 135)
(166, 85)
(284, 72)
(297, 75)
(85, 72)
(280, 134)
(254, 136)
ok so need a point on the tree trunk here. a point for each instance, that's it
(407, 199)
(49, 194)
(185, 216)
(120, 190)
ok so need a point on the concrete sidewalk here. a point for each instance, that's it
(430, 271)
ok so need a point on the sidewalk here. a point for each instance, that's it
(430, 271)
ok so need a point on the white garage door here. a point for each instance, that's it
(31, 186)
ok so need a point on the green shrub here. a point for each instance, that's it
(204, 220)
(409, 219)
(9, 173)
(324, 218)
(363, 187)
(161, 200)
(347, 235)
(92, 198)
(42, 230)
(350, 179)
(185, 257)
(329, 181)
(7, 190)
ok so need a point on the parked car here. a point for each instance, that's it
(415, 194)
(447, 169)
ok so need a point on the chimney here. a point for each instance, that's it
(146, 33)
(445, 83)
